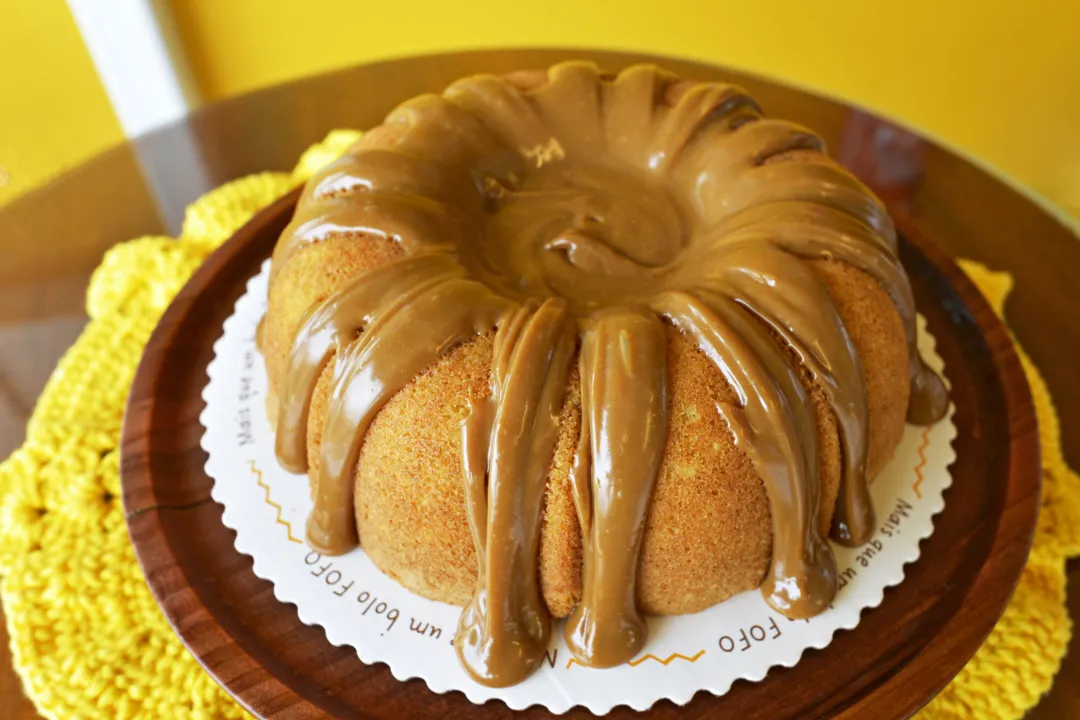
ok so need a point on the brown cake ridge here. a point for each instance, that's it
(730, 297)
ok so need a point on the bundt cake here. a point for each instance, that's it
(589, 345)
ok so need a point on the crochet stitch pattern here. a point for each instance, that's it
(88, 639)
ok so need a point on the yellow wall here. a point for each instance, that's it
(53, 110)
(999, 79)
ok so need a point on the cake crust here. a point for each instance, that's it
(708, 533)
(590, 345)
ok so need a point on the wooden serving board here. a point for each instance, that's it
(900, 655)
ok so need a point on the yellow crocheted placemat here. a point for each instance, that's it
(88, 639)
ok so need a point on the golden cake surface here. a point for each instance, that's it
(585, 345)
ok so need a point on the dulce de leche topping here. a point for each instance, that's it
(573, 214)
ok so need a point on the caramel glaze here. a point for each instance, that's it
(572, 217)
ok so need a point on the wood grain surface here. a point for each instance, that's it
(901, 654)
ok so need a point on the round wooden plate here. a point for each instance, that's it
(901, 654)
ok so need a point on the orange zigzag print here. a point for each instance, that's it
(922, 462)
(280, 520)
(650, 656)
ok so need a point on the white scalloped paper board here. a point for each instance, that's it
(359, 606)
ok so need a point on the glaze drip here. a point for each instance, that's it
(571, 214)
(504, 630)
(624, 391)
(774, 425)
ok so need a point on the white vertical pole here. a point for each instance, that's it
(142, 66)
(145, 71)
